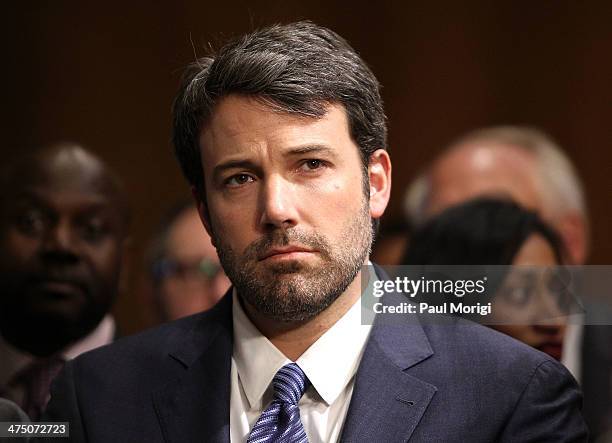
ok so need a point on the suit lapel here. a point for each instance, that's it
(387, 402)
(195, 406)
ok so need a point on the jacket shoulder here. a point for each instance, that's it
(185, 337)
(485, 355)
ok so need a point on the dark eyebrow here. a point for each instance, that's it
(310, 149)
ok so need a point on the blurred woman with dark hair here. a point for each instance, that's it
(526, 298)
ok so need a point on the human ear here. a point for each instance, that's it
(379, 173)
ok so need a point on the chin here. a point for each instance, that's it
(68, 311)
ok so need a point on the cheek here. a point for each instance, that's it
(18, 249)
(508, 311)
(105, 262)
(341, 196)
(233, 223)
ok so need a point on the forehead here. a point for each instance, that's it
(62, 180)
(536, 251)
(241, 124)
(474, 170)
(63, 201)
(187, 237)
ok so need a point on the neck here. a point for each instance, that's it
(294, 338)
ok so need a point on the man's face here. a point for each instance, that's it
(194, 280)
(286, 205)
(61, 244)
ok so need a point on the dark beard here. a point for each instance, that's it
(294, 291)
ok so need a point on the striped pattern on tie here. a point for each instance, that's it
(280, 421)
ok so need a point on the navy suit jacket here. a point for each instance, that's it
(417, 382)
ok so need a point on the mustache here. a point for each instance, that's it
(284, 237)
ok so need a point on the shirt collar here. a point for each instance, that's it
(330, 363)
(102, 335)
(257, 359)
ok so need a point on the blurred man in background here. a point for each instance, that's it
(63, 228)
(526, 165)
(186, 276)
(521, 163)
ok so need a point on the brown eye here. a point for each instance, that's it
(31, 222)
(312, 165)
(238, 180)
(518, 295)
(93, 230)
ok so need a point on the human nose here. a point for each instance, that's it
(278, 201)
(60, 240)
(547, 306)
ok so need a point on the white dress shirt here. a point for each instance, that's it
(330, 364)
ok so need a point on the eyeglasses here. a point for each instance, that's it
(522, 285)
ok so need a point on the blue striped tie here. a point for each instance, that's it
(280, 421)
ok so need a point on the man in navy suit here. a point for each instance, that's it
(282, 137)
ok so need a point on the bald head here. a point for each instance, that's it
(519, 163)
(63, 226)
(66, 167)
(475, 169)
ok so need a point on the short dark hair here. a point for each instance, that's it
(296, 68)
(481, 231)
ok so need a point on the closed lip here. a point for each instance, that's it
(57, 286)
(284, 250)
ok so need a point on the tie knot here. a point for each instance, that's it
(289, 383)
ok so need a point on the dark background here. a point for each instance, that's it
(105, 75)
